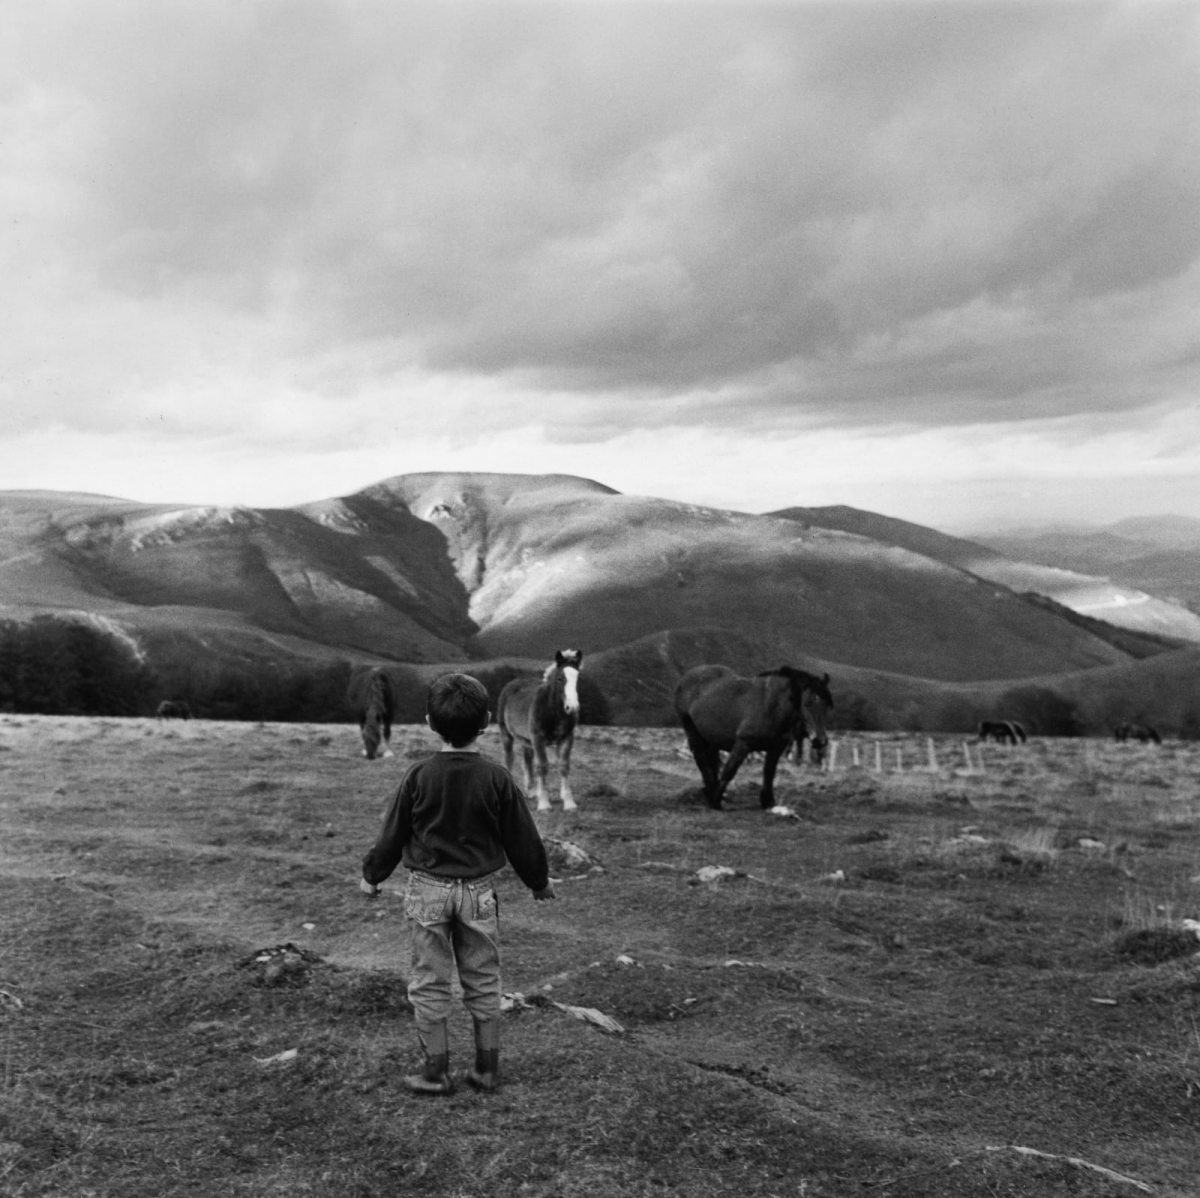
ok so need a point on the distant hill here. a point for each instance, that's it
(1157, 555)
(1105, 576)
(1163, 691)
(435, 570)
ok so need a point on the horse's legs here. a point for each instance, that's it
(564, 774)
(541, 765)
(387, 737)
(506, 743)
(527, 764)
(736, 756)
(707, 760)
(766, 797)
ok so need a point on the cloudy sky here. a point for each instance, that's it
(940, 260)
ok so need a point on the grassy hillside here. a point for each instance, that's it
(1141, 599)
(349, 574)
(889, 995)
(431, 571)
(570, 562)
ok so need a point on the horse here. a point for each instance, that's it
(372, 697)
(1002, 731)
(723, 712)
(173, 709)
(538, 713)
(1140, 732)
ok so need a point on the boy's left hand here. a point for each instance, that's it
(368, 888)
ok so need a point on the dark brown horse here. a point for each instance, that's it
(372, 698)
(174, 709)
(1139, 732)
(541, 713)
(1005, 732)
(724, 712)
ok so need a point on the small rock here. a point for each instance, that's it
(715, 873)
(1091, 846)
(280, 1058)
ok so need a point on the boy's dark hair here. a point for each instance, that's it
(457, 708)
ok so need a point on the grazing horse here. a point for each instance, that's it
(724, 712)
(1001, 730)
(540, 713)
(1139, 732)
(174, 709)
(372, 698)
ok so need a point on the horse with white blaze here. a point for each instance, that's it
(538, 714)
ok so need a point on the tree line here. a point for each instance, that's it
(55, 666)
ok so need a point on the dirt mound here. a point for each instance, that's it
(1153, 946)
(280, 965)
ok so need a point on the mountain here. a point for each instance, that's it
(1157, 555)
(437, 569)
(1103, 575)
(571, 562)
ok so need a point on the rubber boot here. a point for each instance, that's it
(486, 1074)
(435, 1077)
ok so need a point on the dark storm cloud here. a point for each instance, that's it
(670, 213)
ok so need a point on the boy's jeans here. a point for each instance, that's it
(453, 921)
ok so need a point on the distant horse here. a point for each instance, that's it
(540, 713)
(372, 697)
(1005, 732)
(173, 709)
(724, 712)
(1139, 732)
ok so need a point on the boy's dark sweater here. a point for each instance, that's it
(458, 815)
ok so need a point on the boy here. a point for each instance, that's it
(453, 821)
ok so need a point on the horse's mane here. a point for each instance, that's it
(818, 685)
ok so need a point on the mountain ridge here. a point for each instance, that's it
(437, 569)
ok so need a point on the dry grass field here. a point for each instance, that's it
(892, 992)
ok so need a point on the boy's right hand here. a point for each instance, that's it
(546, 892)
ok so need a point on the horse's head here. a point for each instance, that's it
(813, 699)
(567, 664)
